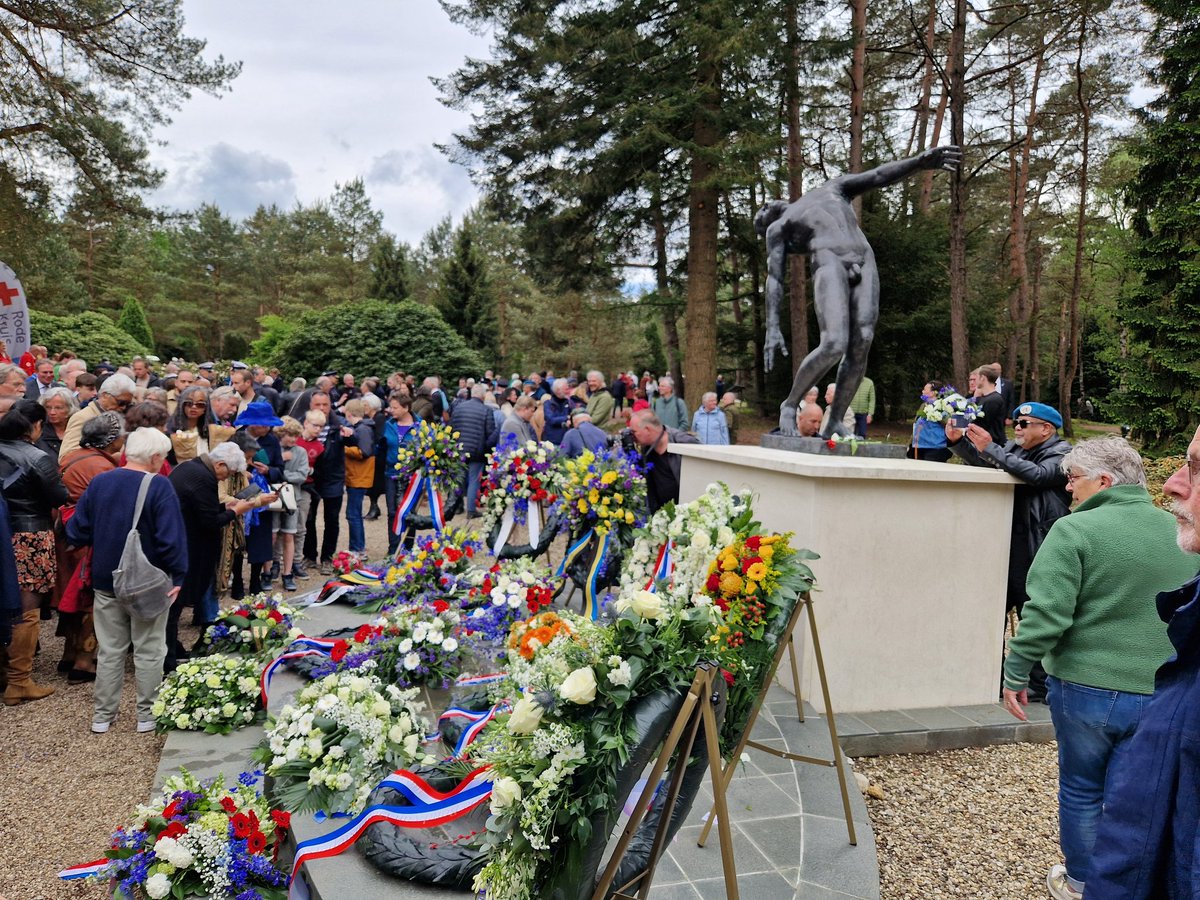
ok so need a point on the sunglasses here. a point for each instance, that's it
(196, 404)
(1026, 423)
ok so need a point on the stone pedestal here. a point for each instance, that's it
(820, 446)
(911, 580)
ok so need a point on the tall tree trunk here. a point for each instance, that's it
(1068, 370)
(1034, 365)
(700, 367)
(858, 72)
(756, 316)
(920, 132)
(663, 283)
(927, 176)
(959, 338)
(797, 265)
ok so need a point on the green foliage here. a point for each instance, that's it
(133, 322)
(390, 277)
(90, 335)
(375, 336)
(467, 301)
(1161, 398)
(274, 331)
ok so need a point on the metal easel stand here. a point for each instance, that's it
(697, 708)
(718, 809)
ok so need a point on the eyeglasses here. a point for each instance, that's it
(196, 404)
(1026, 423)
(123, 405)
(1072, 477)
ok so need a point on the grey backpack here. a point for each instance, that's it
(140, 586)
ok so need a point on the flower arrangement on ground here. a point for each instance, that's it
(201, 839)
(328, 749)
(259, 624)
(435, 567)
(214, 694)
(517, 476)
(605, 491)
(695, 530)
(433, 452)
(753, 586)
(410, 645)
(508, 592)
(948, 402)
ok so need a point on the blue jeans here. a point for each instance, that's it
(1093, 727)
(354, 518)
(474, 471)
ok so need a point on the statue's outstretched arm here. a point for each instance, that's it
(947, 157)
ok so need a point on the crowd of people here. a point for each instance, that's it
(255, 479)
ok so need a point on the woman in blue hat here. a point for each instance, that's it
(265, 469)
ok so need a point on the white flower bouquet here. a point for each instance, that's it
(214, 694)
(947, 404)
(344, 733)
(259, 624)
(518, 475)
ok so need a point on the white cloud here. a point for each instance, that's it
(236, 180)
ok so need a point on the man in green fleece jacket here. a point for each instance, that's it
(1092, 622)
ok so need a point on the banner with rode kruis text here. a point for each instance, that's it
(14, 314)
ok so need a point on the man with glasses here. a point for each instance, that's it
(1035, 457)
(116, 395)
(184, 379)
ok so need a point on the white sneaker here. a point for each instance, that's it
(100, 727)
(143, 727)
(1060, 889)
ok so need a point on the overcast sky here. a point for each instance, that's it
(328, 92)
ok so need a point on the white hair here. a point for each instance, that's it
(143, 444)
(61, 393)
(117, 384)
(373, 401)
(231, 454)
(478, 391)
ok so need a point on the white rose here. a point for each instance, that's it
(228, 710)
(724, 536)
(701, 540)
(526, 716)
(344, 781)
(411, 661)
(505, 792)
(646, 604)
(580, 686)
(411, 743)
(336, 752)
(183, 720)
(157, 886)
(396, 734)
(381, 708)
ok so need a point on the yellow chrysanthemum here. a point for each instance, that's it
(731, 583)
(756, 572)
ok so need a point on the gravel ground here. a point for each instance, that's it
(966, 823)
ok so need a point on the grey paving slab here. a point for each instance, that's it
(806, 890)
(780, 840)
(763, 886)
(988, 714)
(939, 717)
(888, 721)
(705, 862)
(830, 861)
(683, 891)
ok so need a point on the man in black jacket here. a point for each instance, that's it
(329, 485)
(654, 438)
(477, 432)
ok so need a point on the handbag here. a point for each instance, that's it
(140, 586)
(286, 501)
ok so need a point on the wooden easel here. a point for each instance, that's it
(698, 708)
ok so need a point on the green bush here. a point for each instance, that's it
(133, 322)
(90, 335)
(374, 337)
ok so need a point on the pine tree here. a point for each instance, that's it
(390, 277)
(1162, 371)
(467, 301)
(134, 323)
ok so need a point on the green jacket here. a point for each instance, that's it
(864, 397)
(672, 412)
(1091, 617)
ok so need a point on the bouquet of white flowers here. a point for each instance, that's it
(214, 694)
(260, 624)
(344, 733)
(947, 403)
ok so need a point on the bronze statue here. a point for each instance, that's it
(845, 280)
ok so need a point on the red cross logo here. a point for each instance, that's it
(7, 294)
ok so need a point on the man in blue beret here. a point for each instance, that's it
(1035, 457)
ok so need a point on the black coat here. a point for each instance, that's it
(204, 520)
(1040, 500)
(30, 482)
(329, 473)
(476, 427)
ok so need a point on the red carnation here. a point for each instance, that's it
(174, 830)
(713, 585)
(228, 805)
(281, 819)
(256, 842)
(241, 826)
(753, 543)
(339, 651)
(363, 634)
(440, 606)
(722, 603)
(831, 444)
(747, 563)
(173, 808)
(535, 483)
(728, 676)
(470, 551)
(453, 555)
(275, 616)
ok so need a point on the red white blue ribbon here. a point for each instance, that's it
(435, 507)
(85, 870)
(302, 646)
(412, 495)
(476, 722)
(430, 808)
(664, 566)
(471, 680)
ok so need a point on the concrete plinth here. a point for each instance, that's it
(820, 446)
(911, 580)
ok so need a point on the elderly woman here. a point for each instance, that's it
(197, 484)
(258, 420)
(34, 491)
(188, 426)
(99, 451)
(1091, 620)
(103, 519)
(60, 405)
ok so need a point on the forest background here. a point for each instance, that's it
(622, 148)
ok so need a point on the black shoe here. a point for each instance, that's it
(274, 571)
(80, 676)
(289, 583)
(299, 570)
(373, 513)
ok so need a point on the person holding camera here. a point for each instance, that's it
(582, 435)
(654, 440)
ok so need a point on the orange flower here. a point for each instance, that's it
(731, 583)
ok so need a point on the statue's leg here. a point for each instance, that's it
(864, 314)
(831, 299)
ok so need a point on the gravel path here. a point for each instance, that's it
(966, 823)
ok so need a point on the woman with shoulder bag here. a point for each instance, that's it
(34, 490)
(103, 520)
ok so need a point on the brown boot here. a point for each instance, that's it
(84, 668)
(68, 627)
(21, 688)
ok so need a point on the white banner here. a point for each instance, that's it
(14, 314)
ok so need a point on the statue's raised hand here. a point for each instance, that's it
(774, 342)
(948, 157)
